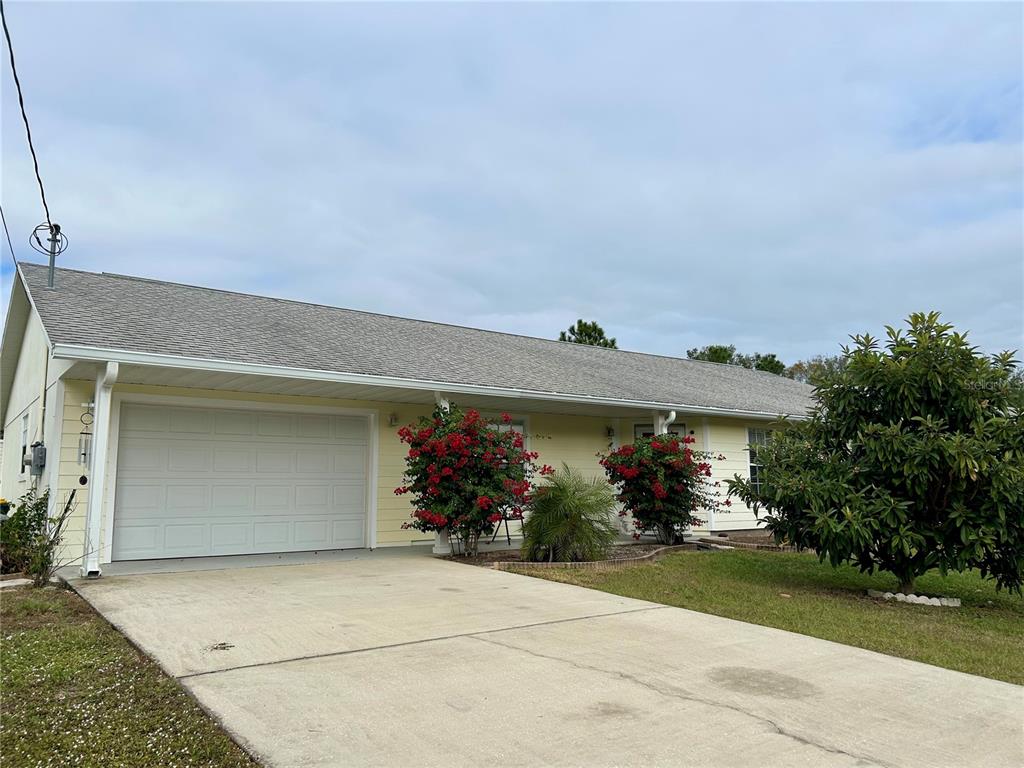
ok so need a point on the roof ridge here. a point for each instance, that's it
(399, 317)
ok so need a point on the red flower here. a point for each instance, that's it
(494, 518)
(506, 418)
(547, 469)
(484, 502)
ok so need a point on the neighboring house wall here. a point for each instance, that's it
(25, 398)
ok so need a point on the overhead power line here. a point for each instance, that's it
(24, 116)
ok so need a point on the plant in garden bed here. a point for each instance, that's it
(912, 459)
(662, 483)
(30, 537)
(464, 473)
(571, 518)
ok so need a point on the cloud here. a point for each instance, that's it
(771, 176)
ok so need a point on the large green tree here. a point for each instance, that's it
(912, 459)
(583, 332)
(727, 354)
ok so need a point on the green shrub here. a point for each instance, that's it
(30, 538)
(20, 531)
(571, 518)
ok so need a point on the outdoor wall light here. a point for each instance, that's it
(393, 420)
(610, 431)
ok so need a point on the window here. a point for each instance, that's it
(647, 430)
(756, 436)
(24, 442)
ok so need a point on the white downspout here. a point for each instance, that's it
(706, 429)
(442, 544)
(663, 421)
(105, 380)
(442, 401)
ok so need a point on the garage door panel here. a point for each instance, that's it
(318, 426)
(274, 460)
(194, 481)
(234, 423)
(350, 428)
(350, 498)
(272, 536)
(139, 455)
(275, 425)
(184, 457)
(269, 497)
(350, 460)
(230, 536)
(228, 459)
(232, 498)
(144, 418)
(347, 531)
(137, 499)
(191, 421)
(313, 462)
(185, 537)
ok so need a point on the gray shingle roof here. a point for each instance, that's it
(141, 315)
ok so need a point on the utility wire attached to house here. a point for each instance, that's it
(57, 241)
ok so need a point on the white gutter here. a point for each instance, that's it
(125, 357)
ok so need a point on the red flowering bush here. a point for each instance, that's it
(663, 483)
(463, 473)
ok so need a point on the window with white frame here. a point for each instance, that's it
(756, 436)
(647, 430)
(24, 441)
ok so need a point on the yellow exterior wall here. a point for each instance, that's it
(70, 470)
(25, 397)
(729, 439)
(575, 440)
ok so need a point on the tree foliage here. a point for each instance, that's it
(912, 459)
(571, 518)
(727, 354)
(583, 332)
(810, 370)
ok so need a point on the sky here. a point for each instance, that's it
(774, 176)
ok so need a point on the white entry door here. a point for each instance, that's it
(195, 481)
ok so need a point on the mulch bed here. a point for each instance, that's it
(617, 552)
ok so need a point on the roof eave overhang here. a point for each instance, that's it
(127, 357)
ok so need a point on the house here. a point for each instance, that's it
(192, 421)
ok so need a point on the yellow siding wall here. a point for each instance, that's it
(26, 389)
(729, 439)
(575, 440)
(70, 470)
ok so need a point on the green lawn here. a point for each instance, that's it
(796, 592)
(76, 693)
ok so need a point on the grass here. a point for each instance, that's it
(76, 693)
(796, 592)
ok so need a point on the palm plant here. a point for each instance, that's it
(571, 518)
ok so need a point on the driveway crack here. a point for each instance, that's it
(682, 694)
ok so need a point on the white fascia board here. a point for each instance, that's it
(126, 357)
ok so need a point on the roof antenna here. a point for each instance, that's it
(58, 243)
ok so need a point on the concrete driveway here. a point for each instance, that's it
(412, 661)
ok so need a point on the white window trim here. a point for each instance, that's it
(26, 418)
(677, 428)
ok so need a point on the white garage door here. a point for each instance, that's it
(218, 481)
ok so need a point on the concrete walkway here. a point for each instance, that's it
(412, 661)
